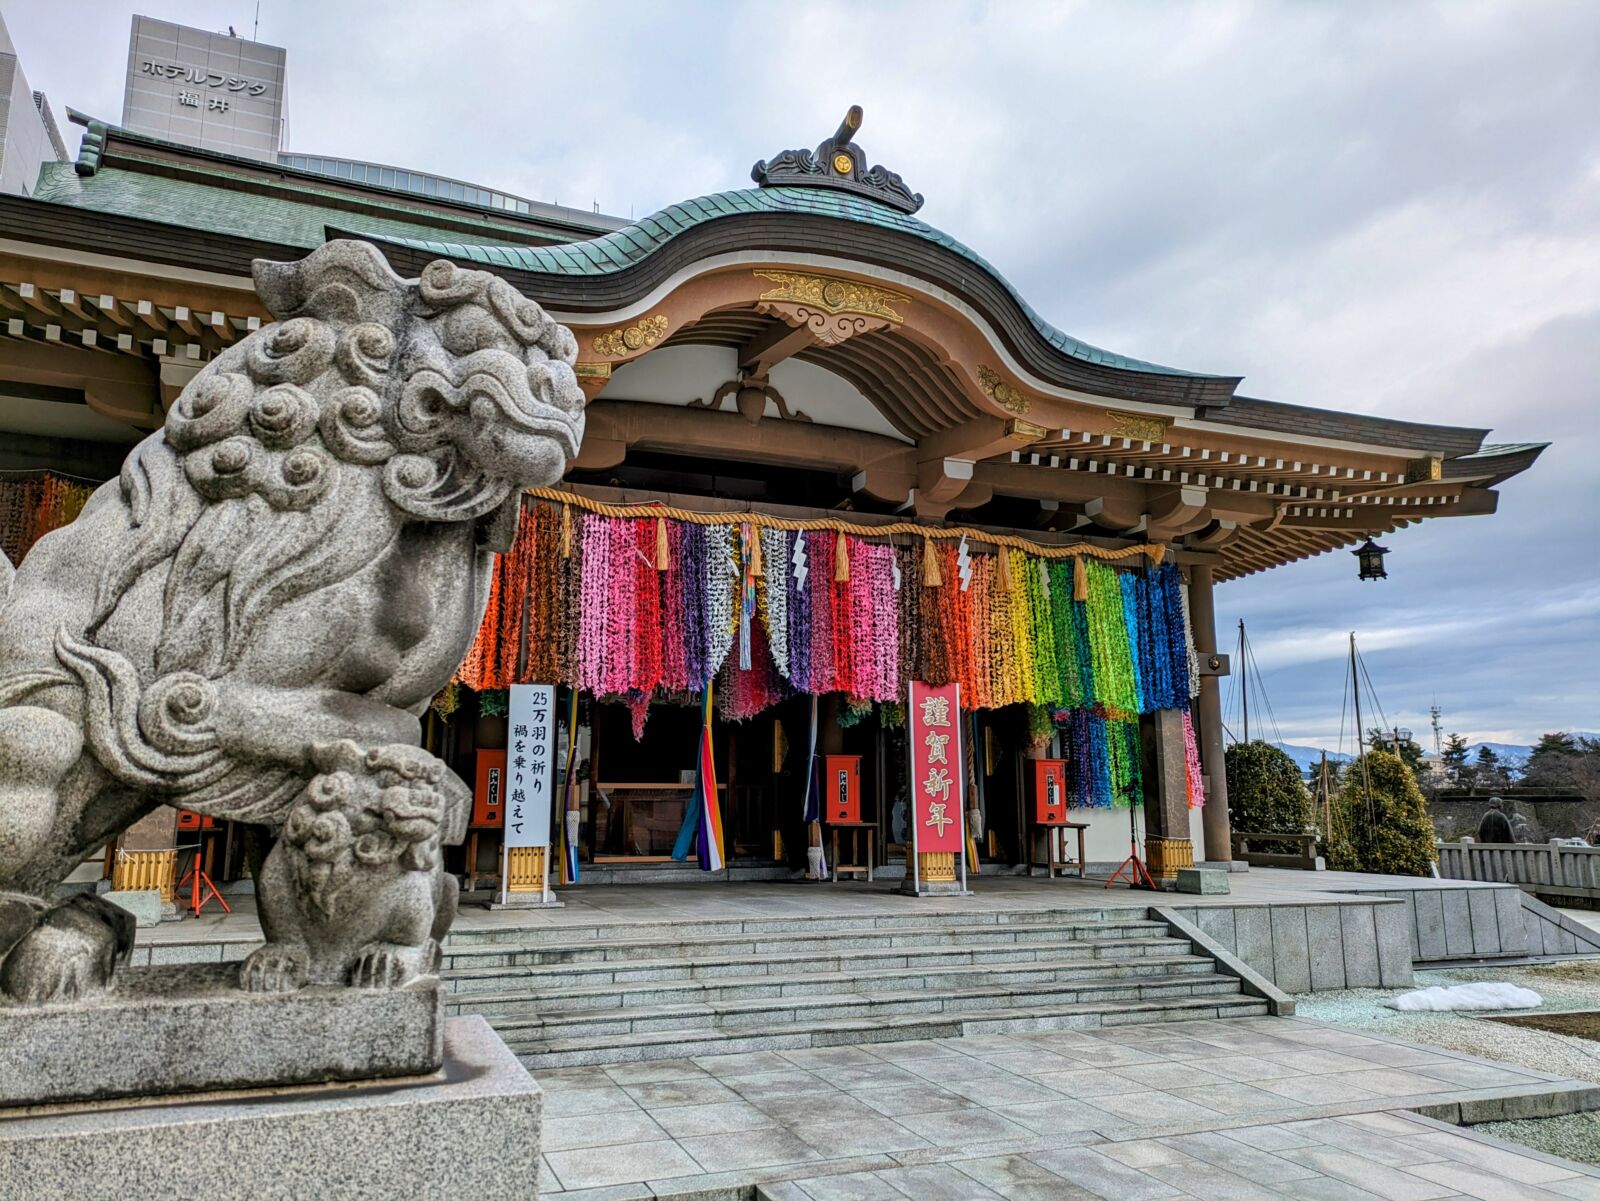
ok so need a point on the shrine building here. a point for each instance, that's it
(830, 452)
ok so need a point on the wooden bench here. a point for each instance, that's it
(1304, 860)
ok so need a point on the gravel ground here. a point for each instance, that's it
(1564, 986)
(1574, 984)
(1576, 1136)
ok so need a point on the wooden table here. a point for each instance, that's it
(855, 867)
(472, 873)
(1053, 863)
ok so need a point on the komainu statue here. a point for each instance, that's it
(250, 622)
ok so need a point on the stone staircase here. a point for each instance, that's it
(652, 990)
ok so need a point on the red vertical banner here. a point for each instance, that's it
(933, 718)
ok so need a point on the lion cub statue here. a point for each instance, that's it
(251, 621)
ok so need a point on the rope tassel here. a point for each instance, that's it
(931, 576)
(663, 555)
(841, 560)
(1080, 580)
(566, 531)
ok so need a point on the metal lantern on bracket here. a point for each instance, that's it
(1370, 555)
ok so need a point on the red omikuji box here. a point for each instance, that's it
(489, 791)
(1049, 791)
(841, 788)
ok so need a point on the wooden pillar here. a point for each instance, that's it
(1166, 795)
(1208, 719)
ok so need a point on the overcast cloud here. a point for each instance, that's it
(1388, 208)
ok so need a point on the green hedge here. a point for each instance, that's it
(1265, 792)
(1393, 834)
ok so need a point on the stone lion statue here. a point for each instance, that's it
(251, 621)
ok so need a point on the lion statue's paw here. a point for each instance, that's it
(276, 967)
(390, 965)
(71, 952)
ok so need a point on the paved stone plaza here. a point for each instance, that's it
(1247, 1108)
(1242, 1108)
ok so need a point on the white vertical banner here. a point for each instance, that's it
(530, 764)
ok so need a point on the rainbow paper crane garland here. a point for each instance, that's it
(632, 607)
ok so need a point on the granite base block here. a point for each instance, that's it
(145, 905)
(188, 1028)
(908, 889)
(527, 900)
(1202, 881)
(471, 1131)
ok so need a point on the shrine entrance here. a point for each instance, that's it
(632, 793)
(637, 789)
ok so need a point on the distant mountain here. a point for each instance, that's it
(1506, 750)
(1309, 756)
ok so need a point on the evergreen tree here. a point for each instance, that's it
(1553, 764)
(1454, 759)
(1390, 832)
(1488, 772)
(1407, 748)
(1266, 793)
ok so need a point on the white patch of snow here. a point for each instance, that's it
(1466, 996)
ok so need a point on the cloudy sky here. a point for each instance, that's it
(1387, 208)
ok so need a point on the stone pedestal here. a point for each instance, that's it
(1202, 881)
(471, 1130)
(938, 875)
(187, 1028)
(144, 904)
(908, 889)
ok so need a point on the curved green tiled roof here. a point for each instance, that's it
(633, 243)
(294, 217)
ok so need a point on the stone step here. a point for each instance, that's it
(526, 1017)
(530, 985)
(625, 969)
(821, 923)
(548, 1053)
(683, 941)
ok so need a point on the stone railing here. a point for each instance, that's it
(1536, 867)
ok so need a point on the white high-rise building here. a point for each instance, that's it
(212, 90)
(28, 133)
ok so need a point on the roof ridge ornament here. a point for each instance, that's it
(93, 147)
(837, 163)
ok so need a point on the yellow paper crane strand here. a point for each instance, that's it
(1152, 551)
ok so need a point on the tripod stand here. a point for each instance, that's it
(201, 889)
(1138, 876)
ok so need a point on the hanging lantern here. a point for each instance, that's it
(1370, 555)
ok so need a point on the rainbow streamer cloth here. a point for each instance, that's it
(702, 818)
(569, 811)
